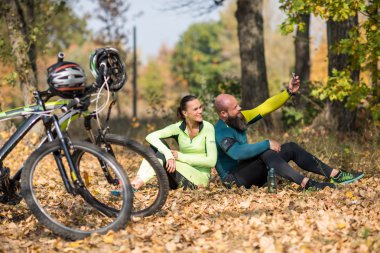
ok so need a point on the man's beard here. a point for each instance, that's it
(238, 122)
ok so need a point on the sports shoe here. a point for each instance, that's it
(117, 192)
(312, 185)
(344, 177)
(229, 181)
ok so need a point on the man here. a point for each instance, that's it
(246, 164)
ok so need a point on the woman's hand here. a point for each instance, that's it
(175, 153)
(170, 165)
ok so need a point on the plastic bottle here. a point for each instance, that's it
(272, 183)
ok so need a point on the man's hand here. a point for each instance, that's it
(175, 153)
(274, 145)
(170, 165)
(294, 84)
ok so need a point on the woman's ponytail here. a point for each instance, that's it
(180, 115)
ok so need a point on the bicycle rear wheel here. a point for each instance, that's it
(150, 198)
(92, 209)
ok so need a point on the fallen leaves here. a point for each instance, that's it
(297, 222)
(220, 220)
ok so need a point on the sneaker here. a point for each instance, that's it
(312, 185)
(117, 192)
(229, 181)
(344, 177)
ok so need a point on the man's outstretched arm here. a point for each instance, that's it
(273, 103)
(270, 105)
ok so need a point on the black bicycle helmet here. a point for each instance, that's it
(66, 79)
(106, 62)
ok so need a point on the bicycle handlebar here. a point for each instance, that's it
(47, 94)
(60, 55)
(103, 67)
(72, 103)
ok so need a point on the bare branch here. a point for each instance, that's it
(194, 7)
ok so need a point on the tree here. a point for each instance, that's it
(251, 40)
(336, 32)
(302, 69)
(30, 28)
(113, 14)
(200, 62)
(153, 85)
(302, 49)
(254, 84)
(197, 56)
(355, 47)
(20, 46)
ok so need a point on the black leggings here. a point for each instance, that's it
(176, 179)
(254, 171)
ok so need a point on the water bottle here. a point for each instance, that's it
(272, 184)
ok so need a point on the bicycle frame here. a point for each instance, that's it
(26, 125)
(37, 112)
(75, 114)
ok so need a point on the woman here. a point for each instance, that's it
(190, 166)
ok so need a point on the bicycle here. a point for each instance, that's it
(78, 213)
(149, 199)
(125, 150)
(129, 153)
(105, 63)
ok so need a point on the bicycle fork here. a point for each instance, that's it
(65, 146)
(98, 141)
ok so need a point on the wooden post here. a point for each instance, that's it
(134, 74)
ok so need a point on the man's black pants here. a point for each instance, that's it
(254, 171)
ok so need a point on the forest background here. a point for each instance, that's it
(206, 60)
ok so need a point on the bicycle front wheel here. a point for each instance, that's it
(81, 213)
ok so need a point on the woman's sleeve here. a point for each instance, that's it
(207, 159)
(270, 105)
(155, 137)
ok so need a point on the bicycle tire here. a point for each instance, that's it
(132, 150)
(163, 182)
(38, 198)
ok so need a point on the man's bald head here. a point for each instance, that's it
(223, 102)
(229, 111)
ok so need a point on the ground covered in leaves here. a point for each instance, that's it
(238, 220)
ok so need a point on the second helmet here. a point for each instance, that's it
(110, 58)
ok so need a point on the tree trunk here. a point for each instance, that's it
(20, 49)
(302, 54)
(375, 63)
(254, 84)
(31, 6)
(337, 31)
